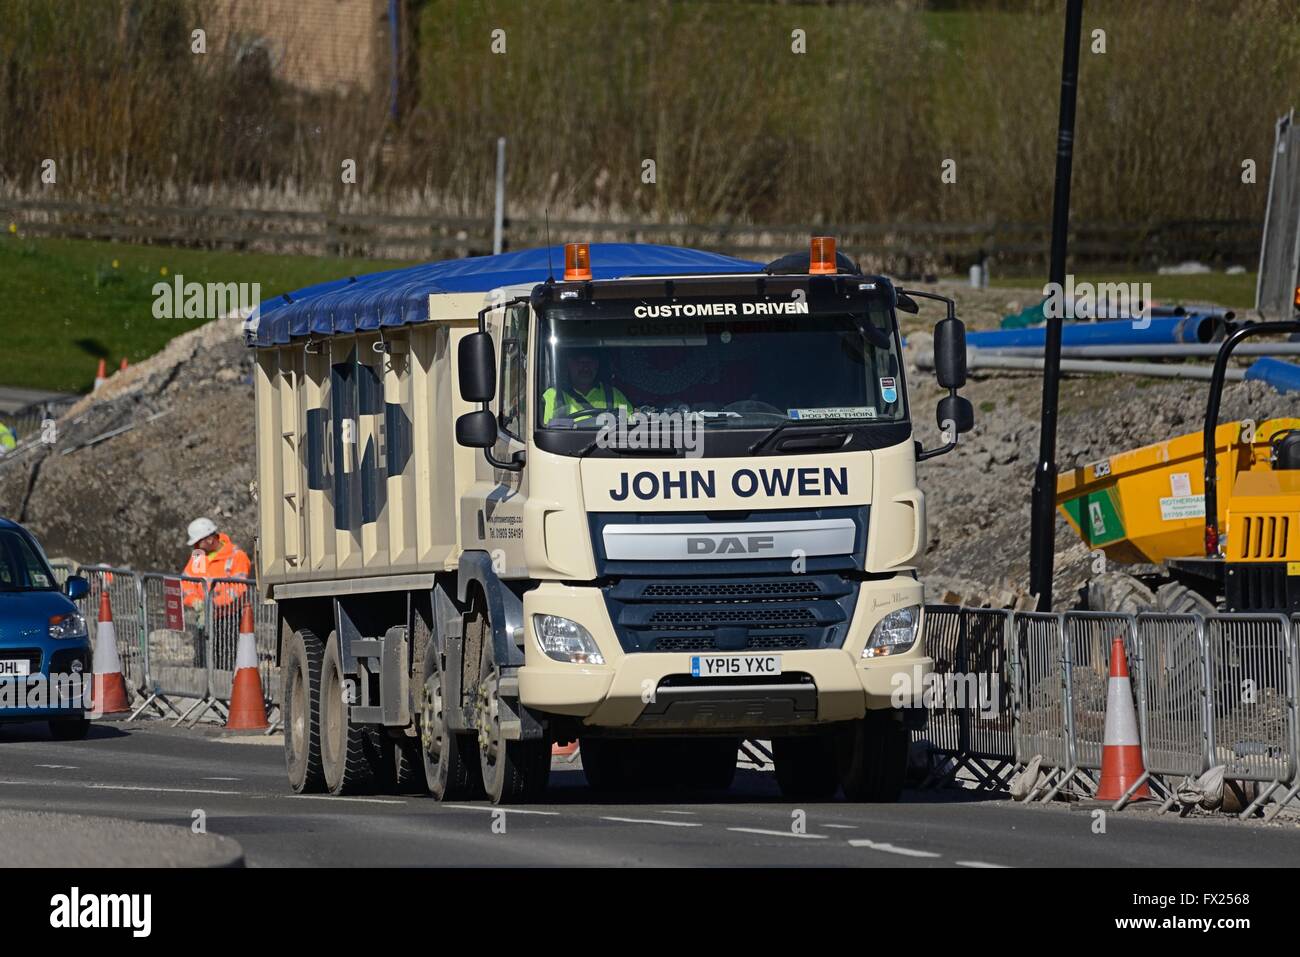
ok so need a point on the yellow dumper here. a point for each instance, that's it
(1147, 506)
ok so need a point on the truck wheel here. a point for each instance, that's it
(805, 767)
(514, 772)
(449, 760)
(873, 758)
(408, 766)
(1116, 591)
(351, 754)
(708, 764)
(1177, 599)
(301, 666)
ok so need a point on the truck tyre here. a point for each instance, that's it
(873, 758)
(514, 772)
(408, 766)
(301, 667)
(351, 753)
(1177, 599)
(805, 767)
(450, 760)
(1117, 591)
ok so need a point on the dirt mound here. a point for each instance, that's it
(156, 446)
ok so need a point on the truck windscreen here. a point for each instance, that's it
(734, 368)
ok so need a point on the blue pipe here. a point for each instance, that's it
(1193, 328)
(1283, 376)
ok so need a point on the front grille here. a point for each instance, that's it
(731, 614)
(753, 643)
(756, 617)
(703, 591)
(1262, 537)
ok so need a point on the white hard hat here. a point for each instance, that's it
(200, 529)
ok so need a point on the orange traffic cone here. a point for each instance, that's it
(109, 687)
(122, 366)
(247, 705)
(1121, 753)
(101, 374)
(566, 751)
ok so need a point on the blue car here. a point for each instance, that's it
(45, 656)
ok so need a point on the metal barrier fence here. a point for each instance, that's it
(1042, 697)
(1089, 637)
(1252, 690)
(176, 646)
(226, 598)
(1173, 688)
(971, 722)
(123, 588)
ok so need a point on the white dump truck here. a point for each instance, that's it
(657, 504)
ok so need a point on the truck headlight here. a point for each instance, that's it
(893, 634)
(71, 625)
(566, 640)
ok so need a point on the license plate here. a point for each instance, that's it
(727, 666)
(15, 666)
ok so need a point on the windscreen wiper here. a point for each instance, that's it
(816, 431)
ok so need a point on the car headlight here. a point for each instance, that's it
(566, 640)
(71, 625)
(893, 634)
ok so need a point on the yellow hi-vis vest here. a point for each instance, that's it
(600, 396)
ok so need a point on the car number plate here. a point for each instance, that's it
(14, 666)
(727, 666)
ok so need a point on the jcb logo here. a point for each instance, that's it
(730, 545)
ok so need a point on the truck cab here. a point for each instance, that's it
(703, 489)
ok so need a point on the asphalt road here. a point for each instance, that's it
(148, 772)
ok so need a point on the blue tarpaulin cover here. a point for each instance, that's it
(400, 297)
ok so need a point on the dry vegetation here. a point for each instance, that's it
(740, 127)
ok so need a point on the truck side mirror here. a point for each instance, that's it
(957, 410)
(476, 430)
(950, 353)
(76, 587)
(477, 367)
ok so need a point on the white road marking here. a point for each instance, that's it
(847, 827)
(507, 810)
(648, 820)
(665, 811)
(891, 848)
(58, 767)
(221, 779)
(339, 797)
(978, 864)
(760, 830)
(131, 787)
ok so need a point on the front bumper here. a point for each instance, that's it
(53, 689)
(655, 690)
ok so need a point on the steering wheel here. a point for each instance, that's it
(753, 405)
(583, 413)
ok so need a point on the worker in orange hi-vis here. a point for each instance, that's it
(214, 556)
